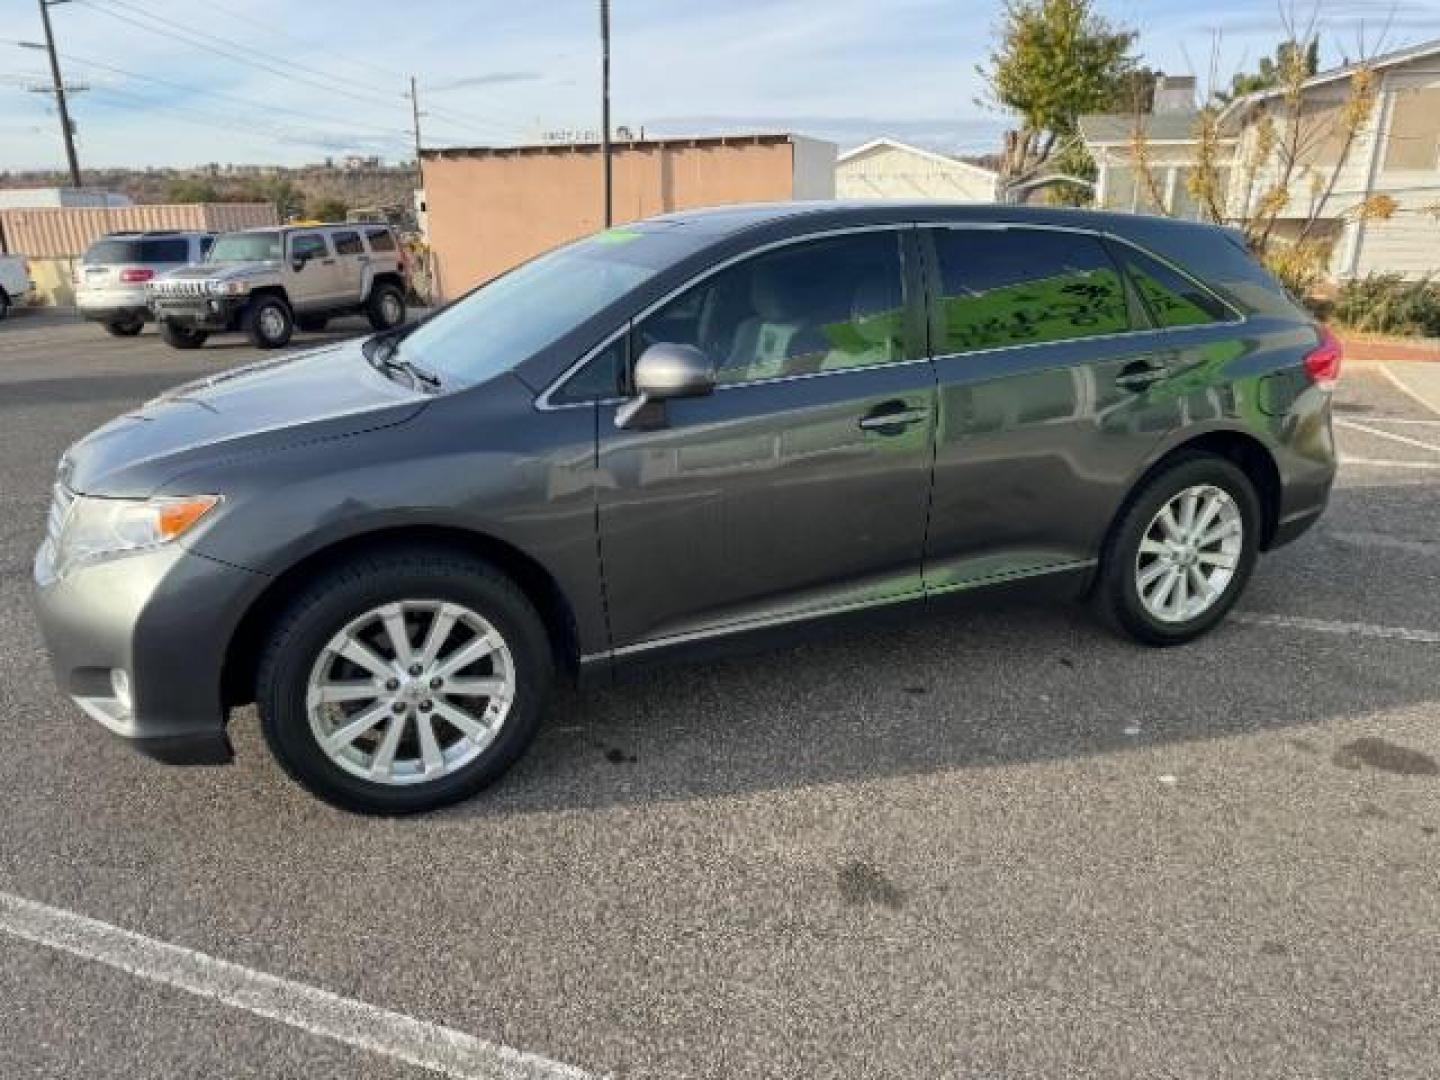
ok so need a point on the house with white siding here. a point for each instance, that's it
(1144, 163)
(890, 169)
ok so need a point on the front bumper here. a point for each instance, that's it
(164, 618)
(214, 313)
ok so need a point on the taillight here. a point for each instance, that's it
(133, 274)
(1322, 363)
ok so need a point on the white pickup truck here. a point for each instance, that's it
(15, 282)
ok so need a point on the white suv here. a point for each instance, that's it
(266, 282)
(15, 282)
(111, 280)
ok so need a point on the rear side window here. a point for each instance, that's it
(110, 252)
(380, 239)
(1000, 288)
(1172, 298)
(348, 243)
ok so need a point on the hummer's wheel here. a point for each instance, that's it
(180, 337)
(386, 307)
(268, 322)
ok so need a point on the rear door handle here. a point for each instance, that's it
(892, 417)
(1140, 375)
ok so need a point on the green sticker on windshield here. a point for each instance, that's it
(616, 236)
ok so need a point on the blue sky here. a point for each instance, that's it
(496, 72)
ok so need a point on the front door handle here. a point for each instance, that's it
(892, 418)
(1141, 375)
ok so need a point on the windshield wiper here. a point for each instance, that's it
(380, 350)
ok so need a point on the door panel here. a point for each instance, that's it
(802, 482)
(766, 500)
(1049, 400)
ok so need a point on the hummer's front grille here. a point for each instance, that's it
(180, 288)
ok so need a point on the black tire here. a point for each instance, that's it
(268, 322)
(312, 324)
(348, 592)
(124, 329)
(181, 337)
(1116, 595)
(385, 307)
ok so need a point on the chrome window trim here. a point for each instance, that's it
(544, 403)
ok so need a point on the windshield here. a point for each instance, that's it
(246, 247)
(516, 315)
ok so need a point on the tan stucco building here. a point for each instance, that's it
(488, 209)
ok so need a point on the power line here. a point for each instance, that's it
(241, 53)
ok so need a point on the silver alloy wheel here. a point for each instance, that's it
(410, 692)
(390, 308)
(1189, 554)
(272, 322)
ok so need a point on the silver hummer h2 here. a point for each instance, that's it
(266, 282)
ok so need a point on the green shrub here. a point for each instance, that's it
(1388, 304)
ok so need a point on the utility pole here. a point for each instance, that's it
(65, 126)
(415, 109)
(605, 107)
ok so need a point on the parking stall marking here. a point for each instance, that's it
(1328, 626)
(1408, 390)
(1407, 440)
(439, 1049)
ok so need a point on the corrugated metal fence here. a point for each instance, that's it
(60, 232)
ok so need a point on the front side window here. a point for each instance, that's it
(1172, 298)
(246, 247)
(348, 243)
(1005, 287)
(820, 305)
(308, 246)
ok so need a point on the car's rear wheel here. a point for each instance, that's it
(1182, 552)
(401, 683)
(182, 337)
(386, 306)
(125, 328)
(268, 322)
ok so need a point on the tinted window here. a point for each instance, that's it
(380, 239)
(348, 243)
(598, 379)
(206, 243)
(817, 306)
(1024, 286)
(110, 252)
(1173, 299)
(310, 245)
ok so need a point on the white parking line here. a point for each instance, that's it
(1391, 435)
(1347, 629)
(1387, 463)
(1409, 391)
(440, 1049)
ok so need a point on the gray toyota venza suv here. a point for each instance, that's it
(688, 430)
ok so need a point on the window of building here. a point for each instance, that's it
(1413, 142)
(1025, 287)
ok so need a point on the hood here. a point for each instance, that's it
(323, 393)
(223, 271)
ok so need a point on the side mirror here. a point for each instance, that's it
(297, 262)
(666, 371)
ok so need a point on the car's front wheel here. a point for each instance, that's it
(182, 337)
(385, 307)
(399, 683)
(1181, 553)
(268, 322)
(126, 328)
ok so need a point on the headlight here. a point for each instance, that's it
(229, 288)
(100, 528)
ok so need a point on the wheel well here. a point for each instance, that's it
(387, 278)
(242, 655)
(1247, 452)
(272, 290)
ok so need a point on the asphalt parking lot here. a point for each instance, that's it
(992, 844)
